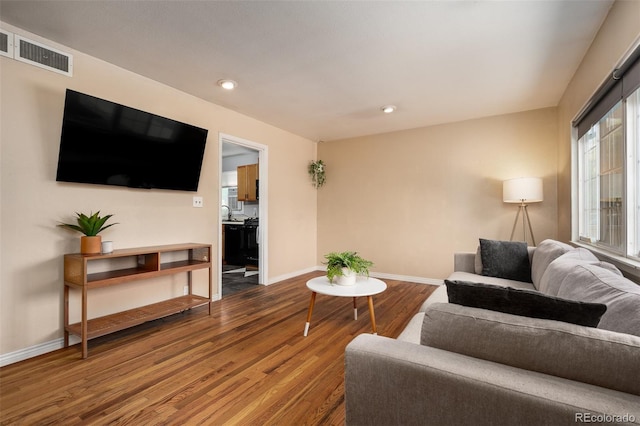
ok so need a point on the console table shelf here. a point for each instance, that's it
(119, 321)
(148, 264)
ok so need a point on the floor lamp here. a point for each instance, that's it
(523, 191)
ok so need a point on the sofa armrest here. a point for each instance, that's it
(464, 262)
(393, 382)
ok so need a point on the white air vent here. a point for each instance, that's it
(43, 56)
(6, 43)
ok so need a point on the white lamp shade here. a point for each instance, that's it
(521, 190)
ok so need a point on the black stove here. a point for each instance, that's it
(252, 221)
(251, 241)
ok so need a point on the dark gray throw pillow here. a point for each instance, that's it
(505, 259)
(525, 303)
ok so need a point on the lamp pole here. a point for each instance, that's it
(522, 208)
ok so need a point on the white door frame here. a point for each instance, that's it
(263, 156)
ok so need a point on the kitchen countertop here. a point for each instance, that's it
(236, 221)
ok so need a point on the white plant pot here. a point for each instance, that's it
(348, 277)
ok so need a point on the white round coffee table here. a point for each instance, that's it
(364, 286)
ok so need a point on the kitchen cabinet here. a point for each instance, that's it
(248, 182)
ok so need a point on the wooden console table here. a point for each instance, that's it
(148, 264)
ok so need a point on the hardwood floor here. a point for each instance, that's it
(246, 364)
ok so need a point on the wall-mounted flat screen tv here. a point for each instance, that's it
(106, 143)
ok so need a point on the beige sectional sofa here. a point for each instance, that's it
(461, 365)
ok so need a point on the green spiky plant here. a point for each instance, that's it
(90, 225)
(346, 259)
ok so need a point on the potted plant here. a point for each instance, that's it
(316, 171)
(346, 266)
(90, 226)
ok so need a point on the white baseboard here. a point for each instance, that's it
(43, 348)
(30, 352)
(409, 278)
(279, 278)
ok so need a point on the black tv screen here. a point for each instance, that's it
(106, 143)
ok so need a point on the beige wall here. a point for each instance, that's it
(32, 202)
(617, 35)
(408, 200)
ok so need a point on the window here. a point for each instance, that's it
(601, 172)
(230, 199)
(633, 178)
(609, 165)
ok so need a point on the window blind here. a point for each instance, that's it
(621, 83)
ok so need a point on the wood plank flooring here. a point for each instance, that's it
(246, 364)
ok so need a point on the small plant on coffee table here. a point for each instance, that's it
(348, 260)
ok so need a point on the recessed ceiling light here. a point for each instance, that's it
(227, 84)
(388, 109)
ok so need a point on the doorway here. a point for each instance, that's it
(243, 217)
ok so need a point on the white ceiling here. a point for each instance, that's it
(230, 149)
(323, 69)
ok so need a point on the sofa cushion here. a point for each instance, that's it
(528, 303)
(583, 354)
(478, 261)
(558, 270)
(546, 252)
(593, 283)
(411, 333)
(440, 294)
(466, 276)
(505, 259)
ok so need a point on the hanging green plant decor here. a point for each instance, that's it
(316, 171)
